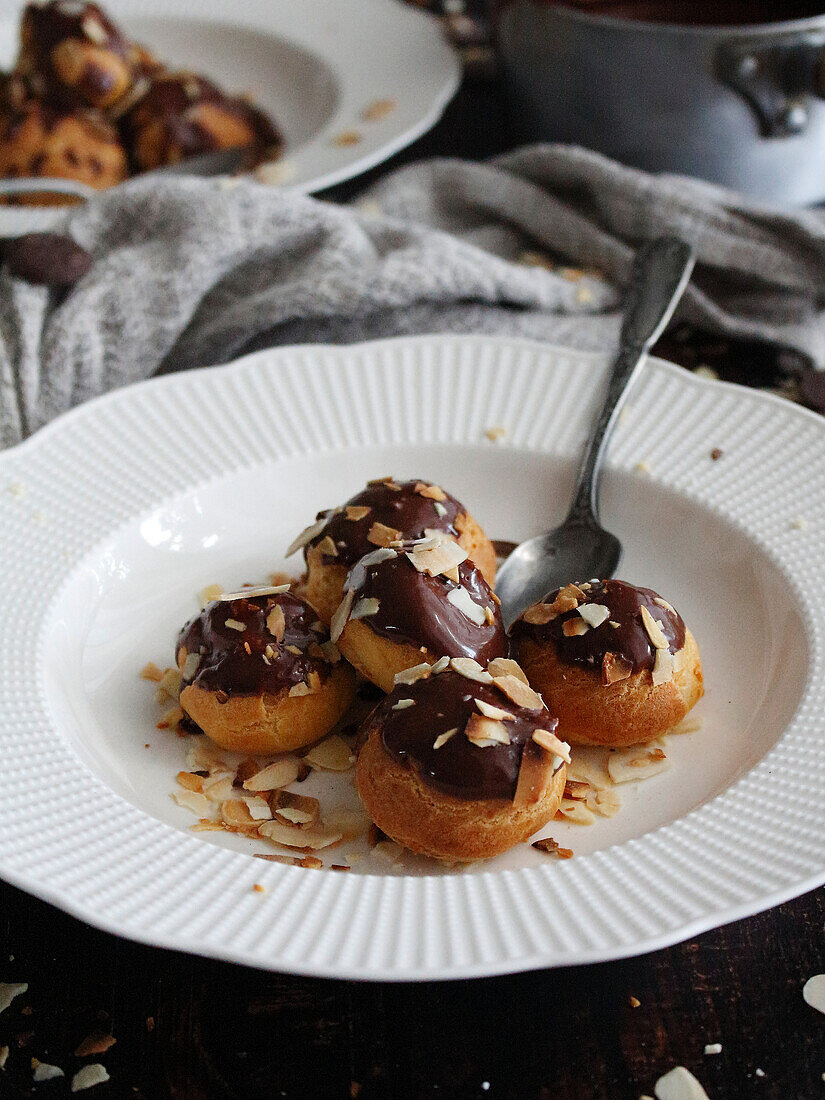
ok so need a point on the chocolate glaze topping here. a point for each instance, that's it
(629, 640)
(458, 768)
(403, 509)
(225, 664)
(54, 22)
(413, 608)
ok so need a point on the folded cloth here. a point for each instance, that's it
(191, 272)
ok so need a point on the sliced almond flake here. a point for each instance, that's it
(573, 592)
(314, 680)
(452, 575)
(496, 713)
(170, 719)
(355, 512)
(235, 815)
(433, 492)
(258, 807)
(4, 1057)
(169, 686)
(150, 671)
(574, 788)
(299, 689)
(495, 433)
(287, 800)
(297, 836)
(489, 617)
(443, 738)
(504, 666)
(470, 670)
(218, 787)
(365, 607)
(10, 990)
(547, 844)
(664, 604)
(440, 509)
(278, 774)
(637, 762)
(614, 624)
(333, 754)
(382, 535)
(663, 667)
(440, 665)
(539, 614)
(551, 743)
(716, 1048)
(307, 535)
(192, 800)
(204, 756)
(295, 816)
(574, 628)
(461, 599)
(253, 591)
(89, 1076)
(615, 668)
(276, 623)
(190, 666)
(388, 851)
(351, 821)
(518, 692)
(447, 555)
(413, 674)
(290, 861)
(604, 801)
(594, 614)
(190, 781)
(403, 704)
(389, 481)
(311, 861)
(654, 630)
(209, 594)
(235, 624)
(327, 546)
(43, 1071)
(813, 992)
(294, 649)
(484, 732)
(679, 1084)
(339, 619)
(576, 811)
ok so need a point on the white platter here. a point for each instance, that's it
(316, 65)
(114, 516)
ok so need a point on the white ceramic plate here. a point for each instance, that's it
(117, 514)
(316, 65)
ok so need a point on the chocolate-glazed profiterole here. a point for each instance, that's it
(259, 673)
(399, 610)
(385, 511)
(463, 763)
(614, 661)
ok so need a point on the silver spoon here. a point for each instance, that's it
(580, 548)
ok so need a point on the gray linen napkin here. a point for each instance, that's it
(191, 272)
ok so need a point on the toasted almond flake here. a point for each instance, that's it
(276, 624)
(485, 732)
(594, 614)
(295, 816)
(299, 689)
(378, 110)
(443, 738)
(258, 888)
(452, 575)
(539, 614)
(89, 1076)
(98, 1042)
(297, 836)
(461, 599)
(150, 671)
(365, 607)
(440, 510)
(339, 619)
(43, 1071)
(642, 468)
(636, 762)
(333, 754)
(489, 617)
(663, 667)
(442, 557)
(382, 535)
(403, 704)
(347, 137)
(713, 1048)
(519, 692)
(388, 851)
(235, 624)
(170, 719)
(190, 666)
(169, 686)
(219, 787)
(573, 592)
(813, 992)
(504, 666)
(496, 713)
(603, 801)
(10, 990)
(440, 665)
(258, 807)
(4, 1057)
(576, 811)
(190, 781)
(351, 821)
(278, 774)
(614, 624)
(547, 844)
(470, 670)
(573, 788)
(204, 756)
(308, 534)
(574, 628)
(281, 801)
(291, 861)
(614, 668)
(236, 816)
(551, 743)
(251, 592)
(327, 546)
(654, 630)
(389, 481)
(293, 649)
(432, 492)
(664, 604)
(679, 1084)
(413, 674)
(355, 512)
(209, 594)
(495, 433)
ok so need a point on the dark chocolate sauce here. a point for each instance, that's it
(403, 509)
(458, 768)
(414, 608)
(226, 666)
(629, 640)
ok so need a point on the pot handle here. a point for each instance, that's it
(777, 75)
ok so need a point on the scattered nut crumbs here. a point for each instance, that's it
(89, 1076)
(635, 1002)
(98, 1042)
(713, 1048)
(495, 433)
(347, 137)
(716, 454)
(374, 112)
(547, 844)
(259, 889)
(642, 468)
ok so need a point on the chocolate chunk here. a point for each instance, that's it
(47, 259)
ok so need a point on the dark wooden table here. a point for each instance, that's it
(193, 1028)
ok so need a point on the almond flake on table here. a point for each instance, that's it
(89, 1076)
(44, 1071)
(332, 754)
(636, 762)
(679, 1084)
(273, 776)
(814, 992)
(10, 990)
(576, 811)
(192, 800)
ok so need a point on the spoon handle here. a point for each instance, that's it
(661, 271)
